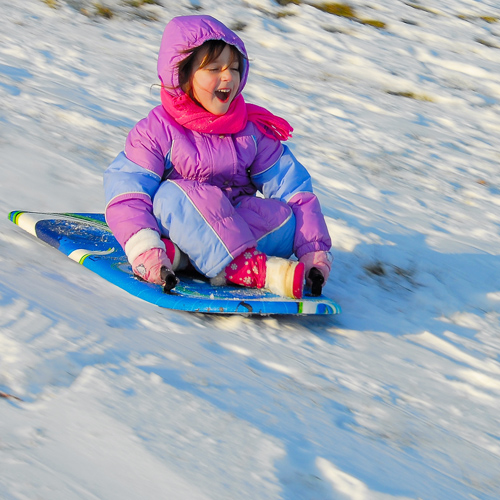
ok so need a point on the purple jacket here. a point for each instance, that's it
(159, 151)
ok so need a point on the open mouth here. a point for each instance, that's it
(223, 94)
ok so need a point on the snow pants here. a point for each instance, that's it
(201, 220)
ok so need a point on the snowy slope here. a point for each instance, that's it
(397, 398)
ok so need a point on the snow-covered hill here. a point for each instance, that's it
(397, 398)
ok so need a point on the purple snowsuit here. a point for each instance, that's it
(200, 189)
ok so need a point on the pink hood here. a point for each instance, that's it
(185, 33)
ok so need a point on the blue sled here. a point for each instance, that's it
(86, 239)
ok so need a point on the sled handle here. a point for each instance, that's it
(317, 279)
(169, 278)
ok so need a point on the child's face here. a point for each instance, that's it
(215, 85)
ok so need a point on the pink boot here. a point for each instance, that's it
(255, 270)
(178, 258)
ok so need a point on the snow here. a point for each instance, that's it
(397, 398)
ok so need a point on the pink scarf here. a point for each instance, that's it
(188, 114)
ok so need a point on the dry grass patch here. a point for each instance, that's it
(410, 95)
(103, 11)
(335, 8)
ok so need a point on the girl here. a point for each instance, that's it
(184, 190)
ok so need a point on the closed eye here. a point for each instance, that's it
(218, 69)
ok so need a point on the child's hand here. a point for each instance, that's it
(149, 266)
(321, 260)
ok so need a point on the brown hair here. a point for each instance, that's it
(213, 49)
